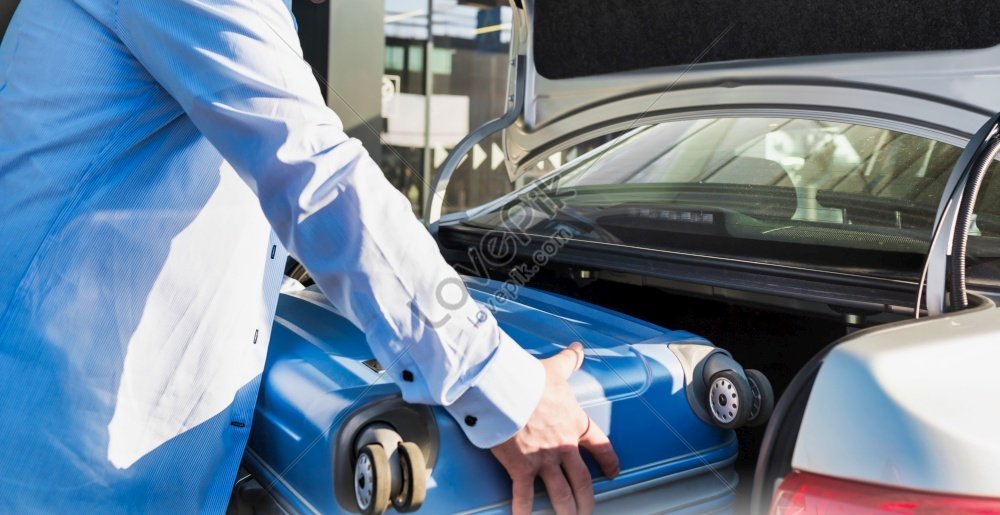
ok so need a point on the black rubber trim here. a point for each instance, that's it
(959, 247)
(846, 290)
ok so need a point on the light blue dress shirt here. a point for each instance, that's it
(147, 150)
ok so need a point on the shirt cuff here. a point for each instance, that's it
(503, 398)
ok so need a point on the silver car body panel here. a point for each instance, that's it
(910, 406)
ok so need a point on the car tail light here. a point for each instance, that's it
(802, 493)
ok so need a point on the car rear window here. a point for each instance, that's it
(799, 192)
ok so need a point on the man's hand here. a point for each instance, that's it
(549, 444)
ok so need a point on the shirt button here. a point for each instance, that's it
(407, 376)
(470, 420)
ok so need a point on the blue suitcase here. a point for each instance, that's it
(323, 398)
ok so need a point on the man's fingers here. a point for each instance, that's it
(559, 491)
(598, 445)
(579, 480)
(524, 495)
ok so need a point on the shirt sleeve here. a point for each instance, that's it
(235, 67)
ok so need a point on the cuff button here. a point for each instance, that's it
(407, 376)
(470, 420)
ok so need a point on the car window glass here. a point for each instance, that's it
(827, 195)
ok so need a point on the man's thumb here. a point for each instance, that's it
(569, 359)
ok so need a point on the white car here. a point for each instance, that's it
(796, 181)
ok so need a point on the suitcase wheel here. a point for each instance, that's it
(729, 399)
(413, 471)
(763, 398)
(371, 480)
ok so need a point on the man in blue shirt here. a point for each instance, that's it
(156, 158)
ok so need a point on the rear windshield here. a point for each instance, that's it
(798, 192)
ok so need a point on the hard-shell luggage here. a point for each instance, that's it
(329, 425)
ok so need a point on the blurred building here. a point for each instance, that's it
(459, 77)
(410, 78)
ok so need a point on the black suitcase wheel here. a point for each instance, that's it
(413, 469)
(763, 398)
(371, 480)
(729, 399)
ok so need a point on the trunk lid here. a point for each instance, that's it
(593, 68)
